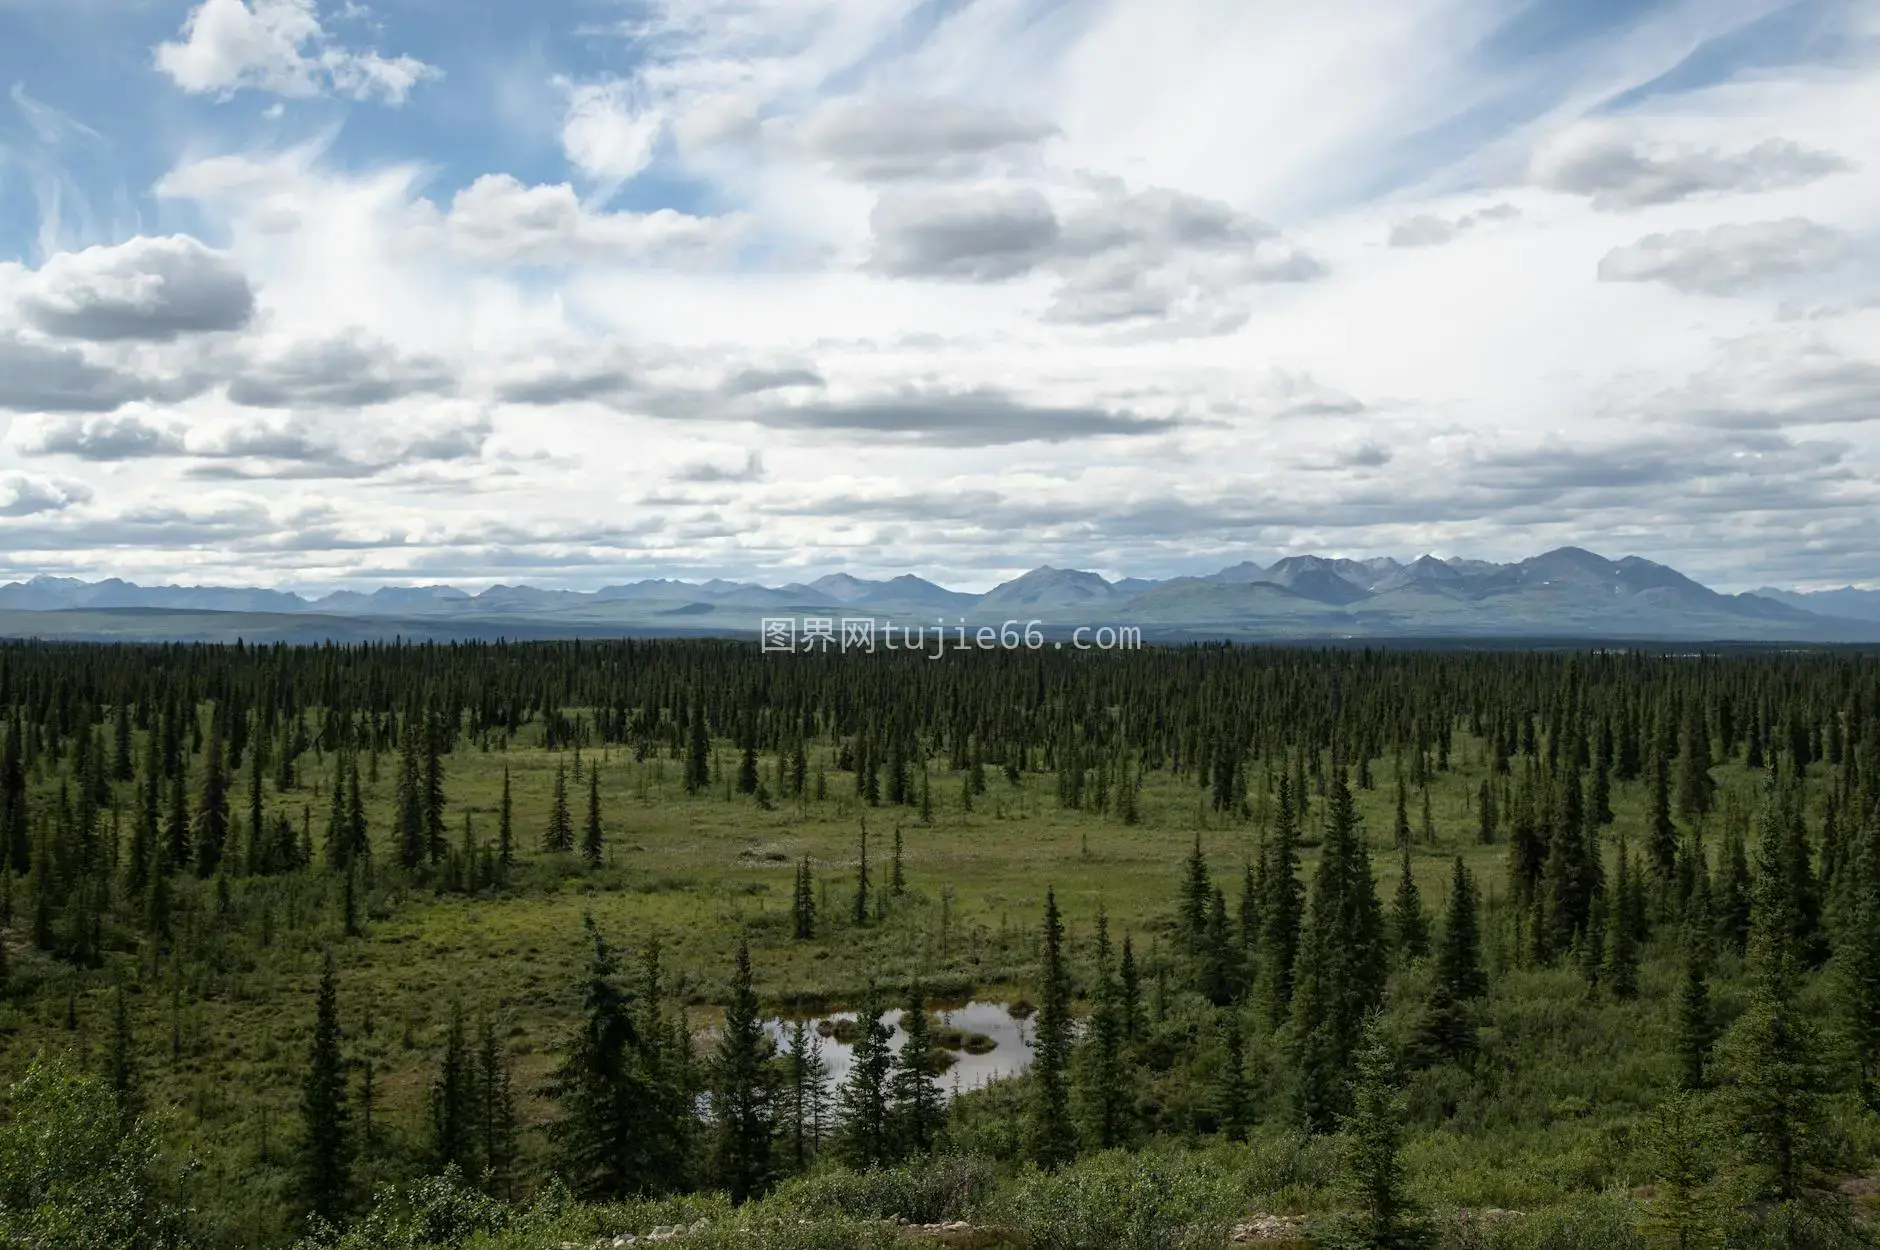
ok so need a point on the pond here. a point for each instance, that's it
(984, 1041)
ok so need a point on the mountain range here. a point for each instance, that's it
(1566, 593)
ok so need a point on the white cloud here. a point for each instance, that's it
(607, 135)
(24, 494)
(499, 219)
(1728, 259)
(279, 47)
(1099, 285)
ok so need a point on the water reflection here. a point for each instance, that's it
(1009, 1054)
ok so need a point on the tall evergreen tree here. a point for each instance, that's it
(1409, 928)
(559, 835)
(1340, 975)
(326, 1156)
(743, 1090)
(1371, 1171)
(867, 1133)
(496, 1116)
(1103, 1091)
(1448, 1029)
(1285, 905)
(454, 1101)
(1053, 1137)
(698, 750)
(606, 1143)
(1774, 1084)
(408, 803)
(505, 828)
(212, 813)
(1857, 961)
(805, 1093)
(917, 1112)
(592, 838)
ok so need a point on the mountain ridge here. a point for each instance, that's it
(1566, 590)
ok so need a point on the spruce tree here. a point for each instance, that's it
(1371, 1134)
(1341, 967)
(917, 1112)
(1774, 1085)
(743, 1090)
(559, 833)
(698, 750)
(496, 1114)
(1409, 929)
(1447, 1030)
(867, 1137)
(1232, 1099)
(860, 911)
(326, 1156)
(592, 838)
(433, 788)
(454, 1102)
(1053, 1137)
(212, 812)
(1285, 903)
(1103, 1086)
(408, 804)
(803, 904)
(604, 1145)
(1857, 962)
(1662, 832)
(1197, 896)
(1620, 973)
(1682, 1139)
(504, 826)
(805, 1093)
(1695, 1027)
(1696, 789)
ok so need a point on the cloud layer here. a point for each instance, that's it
(355, 293)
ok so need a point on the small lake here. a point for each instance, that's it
(1008, 1054)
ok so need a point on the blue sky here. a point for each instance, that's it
(307, 293)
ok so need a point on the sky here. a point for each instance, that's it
(309, 294)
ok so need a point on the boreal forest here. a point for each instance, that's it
(618, 943)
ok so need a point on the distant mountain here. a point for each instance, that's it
(1565, 593)
(1316, 578)
(906, 591)
(1848, 602)
(389, 600)
(42, 594)
(1048, 589)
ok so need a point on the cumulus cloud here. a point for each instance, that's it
(498, 219)
(42, 377)
(299, 446)
(351, 369)
(279, 47)
(154, 289)
(889, 139)
(124, 436)
(1618, 173)
(1120, 256)
(977, 236)
(22, 494)
(1728, 259)
(607, 133)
